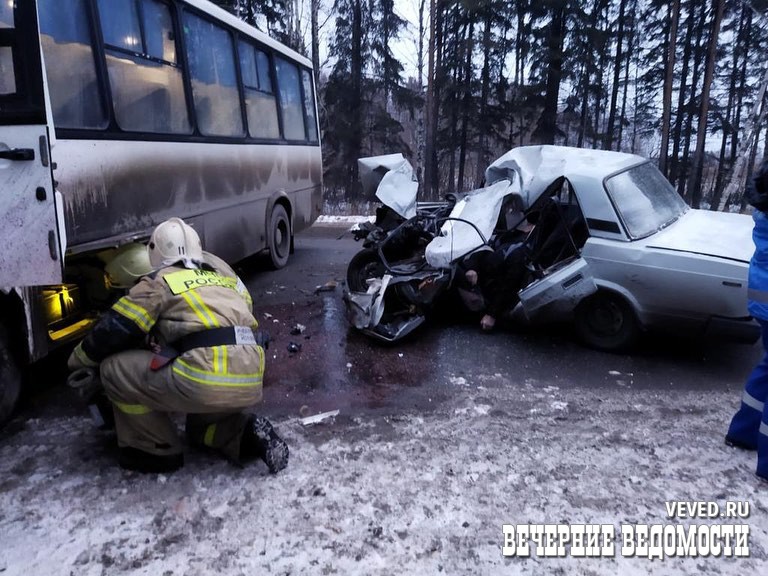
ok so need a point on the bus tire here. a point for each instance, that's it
(10, 378)
(279, 236)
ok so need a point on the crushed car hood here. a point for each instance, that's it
(471, 224)
(719, 234)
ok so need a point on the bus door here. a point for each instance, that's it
(30, 253)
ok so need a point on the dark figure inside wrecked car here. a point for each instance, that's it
(749, 427)
(490, 278)
(206, 359)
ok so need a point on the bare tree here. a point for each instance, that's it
(694, 185)
(669, 77)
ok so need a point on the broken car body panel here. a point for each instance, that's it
(623, 231)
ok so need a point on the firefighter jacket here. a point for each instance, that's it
(174, 303)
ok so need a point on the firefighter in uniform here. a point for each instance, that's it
(206, 359)
(749, 427)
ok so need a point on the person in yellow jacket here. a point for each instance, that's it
(183, 339)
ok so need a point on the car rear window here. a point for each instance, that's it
(645, 200)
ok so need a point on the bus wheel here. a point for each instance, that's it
(10, 378)
(279, 236)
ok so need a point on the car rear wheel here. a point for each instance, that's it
(10, 378)
(364, 265)
(606, 321)
(279, 237)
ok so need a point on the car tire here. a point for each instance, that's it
(364, 265)
(606, 321)
(279, 237)
(10, 378)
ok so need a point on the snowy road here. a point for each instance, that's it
(437, 445)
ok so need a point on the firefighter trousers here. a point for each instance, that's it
(143, 399)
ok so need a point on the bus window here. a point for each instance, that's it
(290, 100)
(309, 106)
(147, 87)
(210, 52)
(7, 71)
(260, 102)
(70, 66)
(6, 15)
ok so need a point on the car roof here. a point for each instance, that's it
(537, 167)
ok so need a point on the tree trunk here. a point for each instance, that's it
(728, 132)
(627, 61)
(701, 133)
(669, 78)
(547, 125)
(467, 100)
(356, 72)
(754, 121)
(682, 181)
(677, 130)
(608, 143)
(315, 8)
(485, 89)
(430, 162)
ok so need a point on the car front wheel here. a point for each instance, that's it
(606, 321)
(364, 266)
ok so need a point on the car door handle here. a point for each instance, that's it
(21, 154)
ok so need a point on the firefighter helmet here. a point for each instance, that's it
(174, 241)
(127, 264)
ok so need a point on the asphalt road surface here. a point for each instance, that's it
(339, 368)
(439, 442)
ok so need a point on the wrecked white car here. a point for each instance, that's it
(614, 248)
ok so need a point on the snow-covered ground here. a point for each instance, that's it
(407, 493)
(327, 220)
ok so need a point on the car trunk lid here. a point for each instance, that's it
(720, 234)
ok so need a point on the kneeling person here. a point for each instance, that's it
(207, 359)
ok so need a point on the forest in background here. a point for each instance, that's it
(679, 81)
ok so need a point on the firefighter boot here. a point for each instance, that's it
(260, 440)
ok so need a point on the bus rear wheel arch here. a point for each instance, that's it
(279, 236)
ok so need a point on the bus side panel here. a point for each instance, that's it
(118, 189)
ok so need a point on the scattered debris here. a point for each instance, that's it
(319, 417)
(293, 347)
(458, 380)
(329, 286)
(298, 329)
(267, 315)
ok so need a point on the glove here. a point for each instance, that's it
(79, 359)
(262, 338)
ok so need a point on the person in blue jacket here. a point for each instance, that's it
(749, 427)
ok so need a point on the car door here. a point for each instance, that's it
(30, 253)
(560, 290)
(563, 276)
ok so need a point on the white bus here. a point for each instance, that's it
(117, 114)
